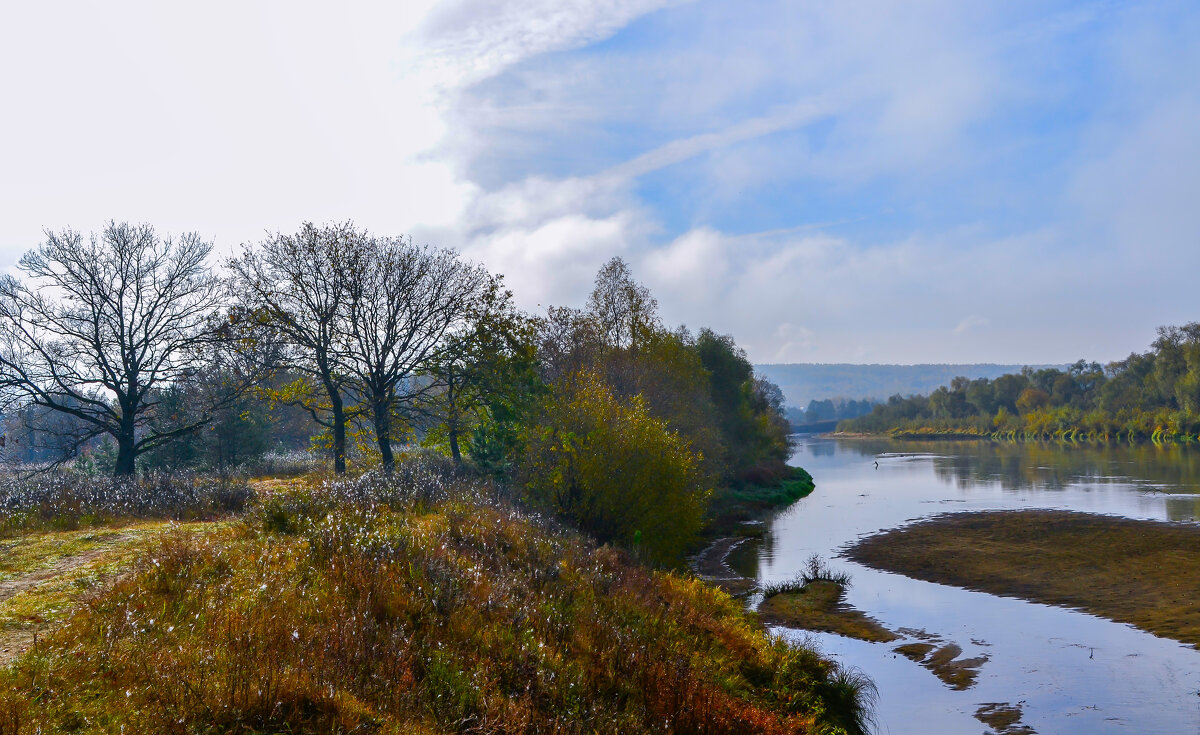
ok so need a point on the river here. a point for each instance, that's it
(1068, 671)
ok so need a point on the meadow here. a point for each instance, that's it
(422, 601)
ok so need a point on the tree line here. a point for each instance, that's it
(1153, 395)
(352, 344)
(830, 409)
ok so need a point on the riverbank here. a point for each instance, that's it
(733, 509)
(1066, 436)
(1144, 573)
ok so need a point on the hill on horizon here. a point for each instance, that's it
(804, 382)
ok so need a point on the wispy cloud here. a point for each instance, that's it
(973, 321)
(826, 181)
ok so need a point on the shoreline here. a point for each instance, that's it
(1077, 439)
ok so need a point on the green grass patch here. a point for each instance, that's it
(816, 600)
(731, 507)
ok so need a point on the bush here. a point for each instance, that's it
(66, 501)
(420, 480)
(616, 472)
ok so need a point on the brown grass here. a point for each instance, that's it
(444, 616)
(820, 606)
(1144, 573)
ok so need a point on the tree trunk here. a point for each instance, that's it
(452, 418)
(339, 433)
(454, 452)
(383, 435)
(126, 455)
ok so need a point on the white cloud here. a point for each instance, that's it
(691, 267)
(470, 40)
(974, 321)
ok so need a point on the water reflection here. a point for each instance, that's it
(1076, 673)
(1173, 468)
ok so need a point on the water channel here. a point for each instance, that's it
(1068, 671)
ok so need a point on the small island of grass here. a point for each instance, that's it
(816, 600)
(1144, 573)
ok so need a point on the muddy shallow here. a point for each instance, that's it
(1068, 672)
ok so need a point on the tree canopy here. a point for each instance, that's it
(100, 326)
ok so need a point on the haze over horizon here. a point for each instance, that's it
(861, 182)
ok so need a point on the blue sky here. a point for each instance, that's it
(852, 181)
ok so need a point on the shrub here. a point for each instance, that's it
(65, 501)
(616, 472)
(815, 570)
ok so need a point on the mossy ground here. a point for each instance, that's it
(1141, 572)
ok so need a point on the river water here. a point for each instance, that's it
(1068, 671)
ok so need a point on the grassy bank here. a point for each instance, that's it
(731, 507)
(417, 604)
(1140, 572)
(1067, 435)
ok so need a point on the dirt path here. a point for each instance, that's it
(16, 585)
(15, 641)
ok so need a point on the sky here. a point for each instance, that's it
(865, 182)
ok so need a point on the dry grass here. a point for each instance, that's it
(413, 606)
(819, 605)
(71, 501)
(43, 576)
(1140, 572)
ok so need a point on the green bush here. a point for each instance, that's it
(616, 472)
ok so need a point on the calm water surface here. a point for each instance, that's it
(1069, 671)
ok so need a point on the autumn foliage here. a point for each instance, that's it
(417, 604)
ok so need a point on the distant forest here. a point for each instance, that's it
(805, 382)
(1153, 395)
(829, 409)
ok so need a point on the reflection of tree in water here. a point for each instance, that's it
(861, 447)
(746, 558)
(823, 449)
(1052, 466)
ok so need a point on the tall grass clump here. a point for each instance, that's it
(294, 463)
(67, 501)
(415, 602)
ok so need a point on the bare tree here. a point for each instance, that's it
(404, 304)
(296, 285)
(623, 309)
(99, 325)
